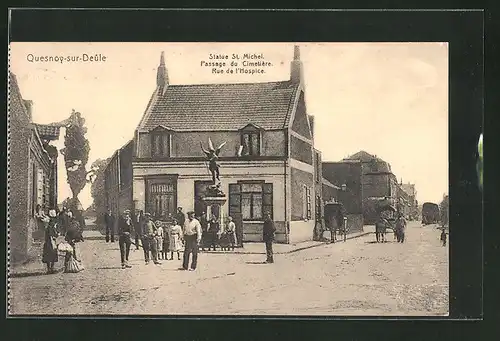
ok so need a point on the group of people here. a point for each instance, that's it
(212, 236)
(159, 238)
(55, 224)
(399, 228)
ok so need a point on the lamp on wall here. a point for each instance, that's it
(344, 187)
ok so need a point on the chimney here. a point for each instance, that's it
(29, 108)
(296, 69)
(161, 74)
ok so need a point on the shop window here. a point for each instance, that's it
(252, 200)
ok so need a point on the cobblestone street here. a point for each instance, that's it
(357, 277)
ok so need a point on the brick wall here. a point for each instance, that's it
(298, 179)
(19, 178)
(350, 174)
(301, 121)
(301, 150)
(376, 185)
(187, 144)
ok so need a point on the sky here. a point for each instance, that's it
(388, 99)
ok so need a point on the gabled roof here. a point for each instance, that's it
(48, 132)
(216, 107)
(363, 157)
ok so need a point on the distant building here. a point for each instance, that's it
(118, 180)
(33, 174)
(268, 164)
(346, 176)
(379, 185)
(410, 190)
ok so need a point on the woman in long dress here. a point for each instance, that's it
(49, 255)
(175, 239)
(73, 235)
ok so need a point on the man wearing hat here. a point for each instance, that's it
(192, 237)
(125, 227)
(148, 240)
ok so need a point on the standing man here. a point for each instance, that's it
(400, 228)
(204, 230)
(109, 221)
(268, 237)
(137, 228)
(192, 238)
(64, 219)
(213, 231)
(231, 232)
(181, 218)
(125, 227)
(148, 240)
(443, 237)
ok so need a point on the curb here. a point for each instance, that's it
(287, 252)
(327, 243)
(34, 273)
(95, 238)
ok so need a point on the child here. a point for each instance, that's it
(159, 239)
(166, 242)
(175, 239)
(443, 237)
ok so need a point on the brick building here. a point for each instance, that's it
(268, 164)
(379, 184)
(33, 174)
(118, 180)
(411, 191)
(347, 177)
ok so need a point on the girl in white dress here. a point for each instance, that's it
(159, 238)
(175, 239)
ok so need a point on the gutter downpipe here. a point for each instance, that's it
(287, 239)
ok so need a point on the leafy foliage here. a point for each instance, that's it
(76, 153)
(444, 209)
(97, 189)
(67, 202)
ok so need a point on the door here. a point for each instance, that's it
(200, 188)
(162, 197)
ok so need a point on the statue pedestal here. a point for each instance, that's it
(213, 206)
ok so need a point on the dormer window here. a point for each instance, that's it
(160, 142)
(250, 140)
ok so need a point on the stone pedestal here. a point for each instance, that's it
(214, 206)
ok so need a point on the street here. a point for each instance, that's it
(358, 277)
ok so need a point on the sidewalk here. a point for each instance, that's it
(35, 267)
(258, 248)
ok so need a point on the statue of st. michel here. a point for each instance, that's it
(212, 157)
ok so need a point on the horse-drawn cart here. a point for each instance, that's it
(387, 220)
(336, 220)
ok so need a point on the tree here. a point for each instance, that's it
(76, 154)
(444, 208)
(97, 189)
(67, 202)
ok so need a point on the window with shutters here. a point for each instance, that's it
(253, 200)
(160, 144)
(251, 143)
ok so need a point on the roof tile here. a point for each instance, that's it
(209, 107)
